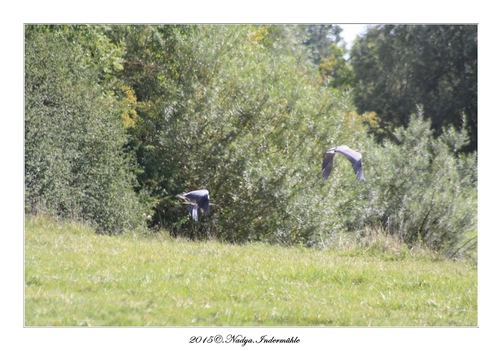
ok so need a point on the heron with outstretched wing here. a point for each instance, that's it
(196, 199)
(354, 156)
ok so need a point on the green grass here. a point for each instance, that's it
(75, 277)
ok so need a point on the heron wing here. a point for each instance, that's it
(197, 198)
(358, 169)
(202, 199)
(186, 199)
(327, 164)
(192, 209)
(203, 203)
(355, 159)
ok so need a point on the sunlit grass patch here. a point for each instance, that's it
(75, 277)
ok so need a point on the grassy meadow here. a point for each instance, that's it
(74, 277)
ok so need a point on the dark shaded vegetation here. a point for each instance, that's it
(398, 67)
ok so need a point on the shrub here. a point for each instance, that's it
(420, 188)
(75, 166)
(250, 124)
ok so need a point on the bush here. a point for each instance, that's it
(249, 119)
(75, 166)
(250, 123)
(420, 188)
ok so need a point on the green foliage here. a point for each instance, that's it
(419, 189)
(74, 163)
(324, 48)
(234, 120)
(319, 40)
(335, 69)
(241, 111)
(397, 67)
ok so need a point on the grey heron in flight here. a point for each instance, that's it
(354, 156)
(196, 199)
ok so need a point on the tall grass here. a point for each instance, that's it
(74, 277)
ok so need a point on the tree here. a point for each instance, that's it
(319, 40)
(336, 70)
(325, 50)
(236, 110)
(398, 67)
(75, 166)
